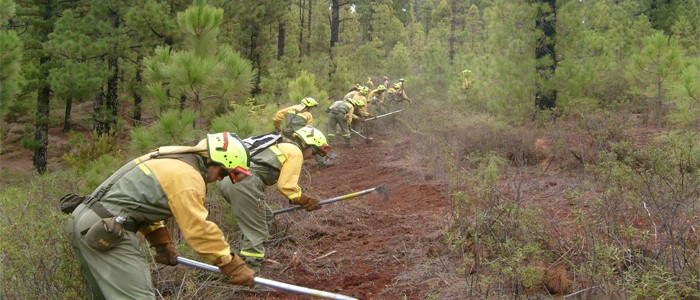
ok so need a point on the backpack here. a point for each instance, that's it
(257, 144)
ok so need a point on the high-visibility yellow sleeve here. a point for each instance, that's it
(185, 190)
(288, 182)
(282, 113)
(351, 114)
(309, 118)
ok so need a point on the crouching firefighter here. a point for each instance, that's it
(288, 120)
(274, 160)
(138, 197)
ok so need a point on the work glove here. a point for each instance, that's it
(239, 272)
(166, 252)
(308, 203)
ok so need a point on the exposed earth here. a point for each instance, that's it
(367, 247)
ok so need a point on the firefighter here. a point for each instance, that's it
(169, 182)
(341, 114)
(288, 120)
(279, 163)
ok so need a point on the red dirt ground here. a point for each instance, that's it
(364, 247)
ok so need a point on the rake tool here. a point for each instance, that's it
(268, 282)
(383, 115)
(382, 190)
(367, 139)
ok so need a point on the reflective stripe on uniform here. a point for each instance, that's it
(252, 254)
(279, 154)
(141, 166)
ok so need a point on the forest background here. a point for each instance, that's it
(610, 90)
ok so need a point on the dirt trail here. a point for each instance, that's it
(366, 247)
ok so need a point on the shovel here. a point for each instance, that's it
(382, 190)
(268, 282)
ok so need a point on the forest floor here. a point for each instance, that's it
(368, 247)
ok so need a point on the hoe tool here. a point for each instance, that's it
(384, 115)
(367, 139)
(382, 190)
(268, 282)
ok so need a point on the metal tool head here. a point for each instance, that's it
(384, 191)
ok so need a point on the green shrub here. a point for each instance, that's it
(36, 261)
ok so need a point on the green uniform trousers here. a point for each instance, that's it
(253, 216)
(338, 120)
(118, 273)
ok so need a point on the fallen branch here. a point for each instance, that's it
(325, 255)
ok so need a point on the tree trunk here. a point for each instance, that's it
(113, 82)
(99, 112)
(302, 4)
(659, 103)
(308, 25)
(66, 118)
(546, 98)
(453, 25)
(281, 36)
(335, 22)
(112, 95)
(255, 57)
(335, 28)
(42, 119)
(370, 28)
(137, 90)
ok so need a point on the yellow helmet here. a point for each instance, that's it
(314, 138)
(381, 87)
(228, 150)
(397, 86)
(364, 90)
(309, 102)
(358, 102)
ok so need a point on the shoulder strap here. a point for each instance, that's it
(257, 144)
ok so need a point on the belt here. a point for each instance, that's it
(101, 211)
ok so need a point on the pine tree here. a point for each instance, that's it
(204, 71)
(39, 17)
(654, 70)
(10, 56)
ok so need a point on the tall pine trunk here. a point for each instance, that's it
(453, 26)
(66, 118)
(335, 28)
(101, 127)
(281, 36)
(255, 57)
(137, 89)
(545, 97)
(308, 26)
(302, 4)
(42, 119)
(113, 81)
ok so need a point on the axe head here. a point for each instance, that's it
(383, 191)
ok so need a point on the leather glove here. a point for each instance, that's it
(308, 203)
(166, 252)
(167, 255)
(239, 272)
